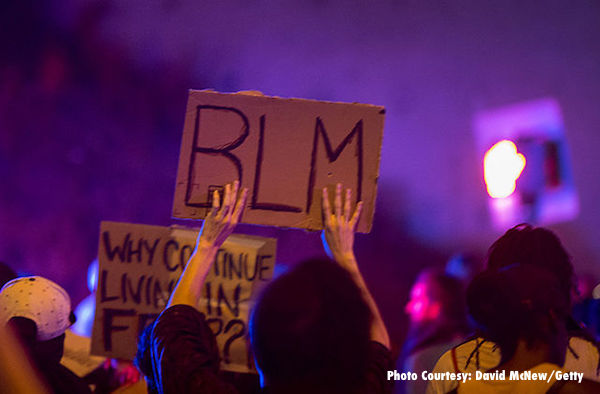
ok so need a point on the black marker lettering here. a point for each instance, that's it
(263, 267)
(120, 251)
(211, 322)
(224, 151)
(143, 320)
(332, 155)
(256, 263)
(169, 243)
(137, 252)
(235, 309)
(183, 259)
(267, 206)
(238, 269)
(208, 298)
(151, 249)
(136, 296)
(109, 315)
(103, 285)
(232, 338)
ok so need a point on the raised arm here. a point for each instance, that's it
(338, 240)
(217, 226)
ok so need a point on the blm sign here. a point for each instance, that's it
(283, 150)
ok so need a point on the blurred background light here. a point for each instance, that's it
(502, 166)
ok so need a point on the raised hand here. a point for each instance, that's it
(338, 240)
(220, 221)
(217, 226)
(338, 235)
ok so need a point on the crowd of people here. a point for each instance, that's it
(317, 329)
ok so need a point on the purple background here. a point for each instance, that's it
(92, 98)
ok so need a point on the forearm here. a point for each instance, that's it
(189, 286)
(218, 225)
(379, 332)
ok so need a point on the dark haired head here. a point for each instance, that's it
(309, 328)
(521, 302)
(41, 352)
(143, 357)
(525, 244)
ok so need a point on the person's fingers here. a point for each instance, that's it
(347, 205)
(326, 205)
(356, 216)
(215, 204)
(234, 192)
(233, 200)
(226, 202)
(338, 200)
(239, 207)
(228, 196)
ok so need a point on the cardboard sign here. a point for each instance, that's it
(139, 266)
(284, 150)
(545, 191)
(76, 354)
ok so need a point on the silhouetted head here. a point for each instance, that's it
(310, 331)
(521, 302)
(143, 358)
(39, 311)
(42, 352)
(525, 244)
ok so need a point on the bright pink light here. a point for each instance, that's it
(417, 303)
(502, 166)
(420, 306)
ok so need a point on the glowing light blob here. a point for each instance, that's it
(502, 166)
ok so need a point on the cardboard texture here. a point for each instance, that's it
(76, 355)
(139, 266)
(284, 150)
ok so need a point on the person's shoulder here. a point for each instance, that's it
(380, 354)
(448, 362)
(181, 309)
(63, 380)
(378, 347)
(179, 315)
(583, 356)
(379, 362)
(428, 357)
(471, 343)
(583, 343)
(474, 353)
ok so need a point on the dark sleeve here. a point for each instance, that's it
(185, 357)
(62, 381)
(379, 362)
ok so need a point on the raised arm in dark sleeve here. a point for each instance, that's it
(184, 352)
